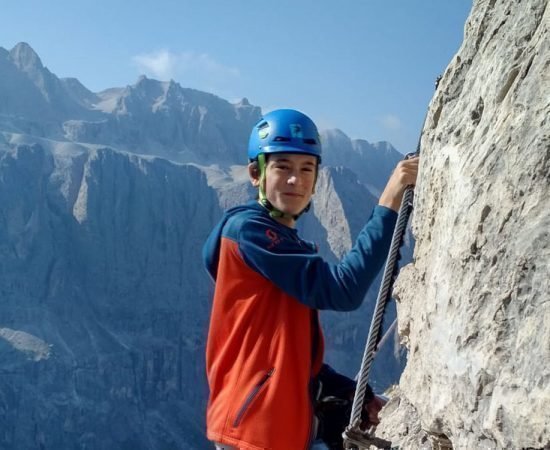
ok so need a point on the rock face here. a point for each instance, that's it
(103, 314)
(474, 307)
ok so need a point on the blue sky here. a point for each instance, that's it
(364, 66)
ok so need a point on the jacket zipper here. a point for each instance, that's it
(253, 393)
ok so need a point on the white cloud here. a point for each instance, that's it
(161, 64)
(391, 122)
(164, 64)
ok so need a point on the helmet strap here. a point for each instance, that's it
(273, 212)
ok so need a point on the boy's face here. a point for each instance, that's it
(290, 180)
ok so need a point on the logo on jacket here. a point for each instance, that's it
(273, 237)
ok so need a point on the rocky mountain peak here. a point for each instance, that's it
(147, 86)
(244, 102)
(25, 58)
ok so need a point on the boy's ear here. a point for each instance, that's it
(254, 173)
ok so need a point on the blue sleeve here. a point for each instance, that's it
(310, 279)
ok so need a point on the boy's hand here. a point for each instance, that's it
(404, 175)
(371, 410)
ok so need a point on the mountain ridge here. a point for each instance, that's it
(160, 118)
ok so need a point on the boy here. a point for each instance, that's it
(265, 345)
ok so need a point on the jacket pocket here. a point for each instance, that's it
(251, 397)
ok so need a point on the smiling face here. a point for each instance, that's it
(289, 182)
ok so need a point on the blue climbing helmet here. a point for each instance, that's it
(284, 131)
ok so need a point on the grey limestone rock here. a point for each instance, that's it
(474, 308)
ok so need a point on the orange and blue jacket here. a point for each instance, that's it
(265, 344)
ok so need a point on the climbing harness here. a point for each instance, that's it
(354, 437)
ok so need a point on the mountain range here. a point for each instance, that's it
(106, 199)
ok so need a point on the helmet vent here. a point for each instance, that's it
(263, 125)
(281, 139)
(310, 141)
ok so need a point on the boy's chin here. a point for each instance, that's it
(289, 210)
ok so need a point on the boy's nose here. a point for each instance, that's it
(292, 179)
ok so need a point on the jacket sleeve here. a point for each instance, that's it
(310, 279)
